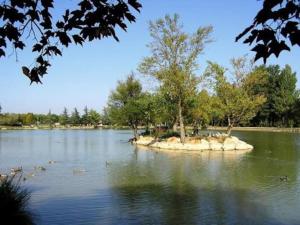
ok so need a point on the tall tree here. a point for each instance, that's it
(281, 93)
(85, 117)
(124, 104)
(75, 117)
(173, 60)
(90, 20)
(64, 117)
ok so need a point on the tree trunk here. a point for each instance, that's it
(229, 128)
(174, 128)
(180, 116)
(135, 132)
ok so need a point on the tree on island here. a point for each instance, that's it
(91, 20)
(173, 61)
(234, 99)
(125, 104)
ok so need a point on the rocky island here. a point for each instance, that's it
(220, 142)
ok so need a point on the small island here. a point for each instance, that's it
(218, 142)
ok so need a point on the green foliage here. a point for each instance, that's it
(173, 61)
(64, 117)
(282, 96)
(126, 105)
(93, 117)
(12, 119)
(75, 117)
(85, 117)
(235, 101)
(14, 203)
(105, 117)
(202, 112)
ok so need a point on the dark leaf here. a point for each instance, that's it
(251, 37)
(47, 3)
(289, 28)
(34, 76)
(19, 44)
(261, 52)
(77, 39)
(266, 35)
(295, 38)
(2, 52)
(244, 32)
(26, 71)
(135, 4)
(2, 42)
(37, 48)
(277, 47)
(64, 38)
(60, 24)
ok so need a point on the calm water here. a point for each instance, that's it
(115, 183)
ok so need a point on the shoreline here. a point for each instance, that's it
(210, 128)
(259, 129)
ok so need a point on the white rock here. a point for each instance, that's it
(229, 144)
(241, 145)
(215, 146)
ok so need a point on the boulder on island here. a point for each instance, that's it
(215, 143)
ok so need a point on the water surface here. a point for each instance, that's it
(99, 178)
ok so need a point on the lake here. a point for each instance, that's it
(99, 178)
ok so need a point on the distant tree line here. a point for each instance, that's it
(88, 117)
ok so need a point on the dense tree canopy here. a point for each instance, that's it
(282, 96)
(91, 20)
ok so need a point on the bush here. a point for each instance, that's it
(14, 203)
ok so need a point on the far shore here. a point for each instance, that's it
(262, 129)
(210, 128)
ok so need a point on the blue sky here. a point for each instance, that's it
(86, 75)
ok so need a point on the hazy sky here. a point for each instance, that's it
(86, 75)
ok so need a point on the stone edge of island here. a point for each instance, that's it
(231, 143)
